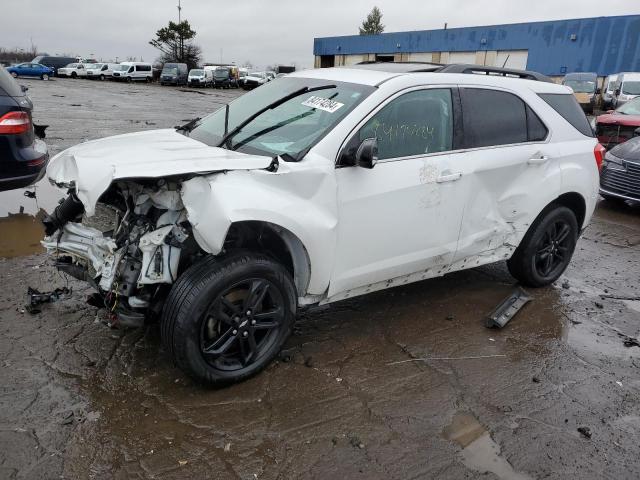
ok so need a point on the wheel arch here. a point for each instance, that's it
(277, 242)
(576, 203)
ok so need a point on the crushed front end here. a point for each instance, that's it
(130, 250)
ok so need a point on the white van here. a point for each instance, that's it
(200, 77)
(132, 71)
(100, 71)
(628, 88)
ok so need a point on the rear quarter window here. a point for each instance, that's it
(8, 86)
(569, 109)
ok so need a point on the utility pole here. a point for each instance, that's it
(181, 39)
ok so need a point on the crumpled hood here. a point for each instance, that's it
(93, 166)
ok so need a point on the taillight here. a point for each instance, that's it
(14, 123)
(598, 153)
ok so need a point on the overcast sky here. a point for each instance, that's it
(261, 31)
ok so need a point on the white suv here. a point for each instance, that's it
(320, 186)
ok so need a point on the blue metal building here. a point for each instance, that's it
(603, 45)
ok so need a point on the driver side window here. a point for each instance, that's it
(416, 123)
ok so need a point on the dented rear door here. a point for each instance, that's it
(509, 171)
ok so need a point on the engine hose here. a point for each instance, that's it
(68, 210)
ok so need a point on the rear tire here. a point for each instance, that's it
(44, 76)
(226, 318)
(545, 251)
(14, 74)
(74, 75)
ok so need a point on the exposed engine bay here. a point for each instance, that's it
(130, 250)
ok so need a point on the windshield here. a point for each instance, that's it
(196, 72)
(71, 65)
(257, 74)
(170, 71)
(631, 88)
(630, 108)
(121, 68)
(289, 128)
(94, 66)
(581, 86)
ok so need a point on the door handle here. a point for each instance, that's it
(538, 160)
(452, 177)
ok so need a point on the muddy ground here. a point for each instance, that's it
(405, 383)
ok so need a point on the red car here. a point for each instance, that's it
(619, 125)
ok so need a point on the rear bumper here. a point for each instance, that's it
(27, 166)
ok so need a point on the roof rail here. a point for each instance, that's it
(499, 71)
(408, 67)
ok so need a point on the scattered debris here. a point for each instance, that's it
(227, 447)
(450, 317)
(182, 463)
(30, 194)
(35, 298)
(565, 285)
(68, 419)
(308, 362)
(619, 383)
(585, 432)
(535, 380)
(507, 309)
(338, 379)
(356, 442)
(599, 305)
(630, 341)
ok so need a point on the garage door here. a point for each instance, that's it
(462, 57)
(513, 58)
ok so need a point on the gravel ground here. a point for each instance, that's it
(405, 383)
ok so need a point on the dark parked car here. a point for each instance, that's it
(54, 62)
(23, 157)
(620, 174)
(619, 125)
(31, 70)
(174, 74)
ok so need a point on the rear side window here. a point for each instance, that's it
(143, 68)
(567, 106)
(8, 86)
(492, 117)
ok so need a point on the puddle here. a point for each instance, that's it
(21, 234)
(20, 227)
(479, 451)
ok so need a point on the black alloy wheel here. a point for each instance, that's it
(241, 324)
(226, 318)
(546, 249)
(554, 248)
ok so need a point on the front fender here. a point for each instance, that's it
(299, 199)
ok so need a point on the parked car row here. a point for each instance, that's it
(616, 89)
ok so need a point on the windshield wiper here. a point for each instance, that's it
(187, 127)
(228, 136)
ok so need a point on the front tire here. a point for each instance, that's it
(14, 74)
(74, 75)
(45, 76)
(546, 249)
(226, 318)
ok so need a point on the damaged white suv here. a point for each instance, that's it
(319, 186)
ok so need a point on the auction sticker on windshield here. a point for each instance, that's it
(320, 103)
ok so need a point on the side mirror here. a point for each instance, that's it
(367, 153)
(617, 92)
(636, 132)
(23, 88)
(598, 91)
